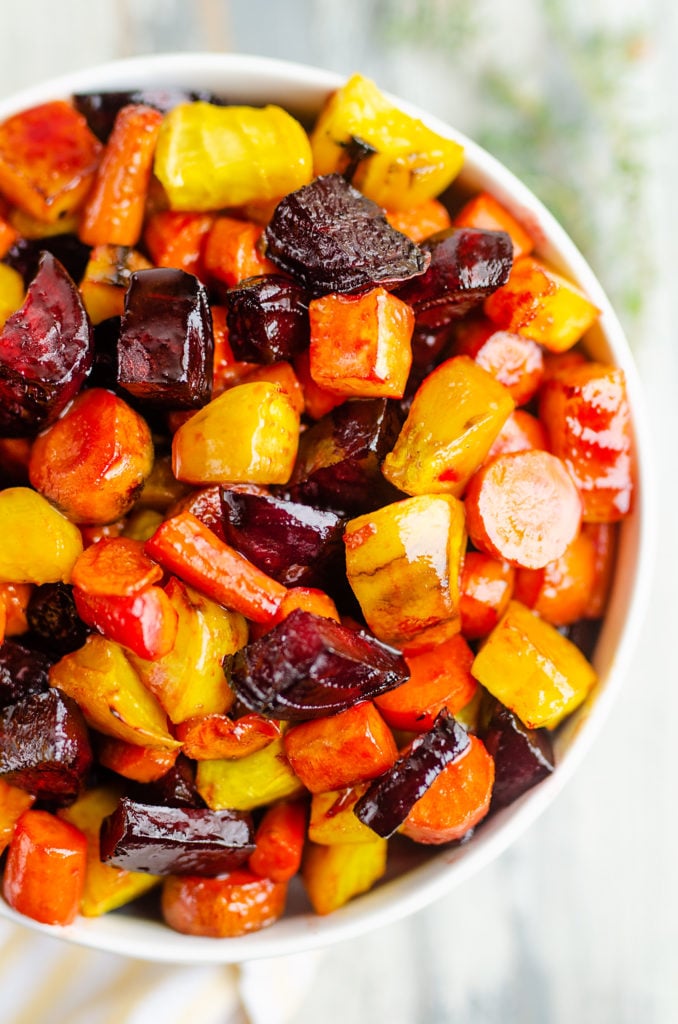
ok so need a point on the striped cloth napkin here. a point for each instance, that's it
(47, 981)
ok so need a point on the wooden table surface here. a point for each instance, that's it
(578, 922)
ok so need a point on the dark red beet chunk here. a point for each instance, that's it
(298, 545)
(467, 265)
(175, 840)
(267, 319)
(175, 789)
(166, 344)
(584, 633)
(100, 109)
(339, 459)
(22, 672)
(54, 622)
(522, 757)
(44, 746)
(391, 797)
(308, 667)
(46, 351)
(72, 254)
(333, 239)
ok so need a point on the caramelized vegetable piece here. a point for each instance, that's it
(46, 352)
(212, 737)
(106, 887)
(332, 819)
(117, 567)
(309, 667)
(298, 545)
(207, 450)
(333, 239)
(39, 544)
(210, 157)
(317, 401)
(486, 589)
(176, 788)
(333, 875)
(279, 841)
(537, 673)
(222, 908)
(457, 800)
(487, 213)
(588, 421)
(233, 252)
(418, 222)
(92, 463)
(188, 680)
(390, 798)
(523, 508)
(338, 465)
(175, 840)
(45, 871)
(309, 600)
(22, 672)
(520, 433)
(360, 345)
(267, 319)
(515, 361)
(405, 163)
(166, 346)
(439, 678)
(248, 782)
(184, 546)
(438, 453)
(44, 746)
(107, 277)
(178, 239)
(333, 752)
(48, 157)
(522, 757)
(409, 592)
(466, 265)
(8, 236)
(111, 695)
(146, 622)
(114, 210)
(542, 305)
(141, 764)
(13, 803)
(559, 592)
(56, 627)
(603, 536)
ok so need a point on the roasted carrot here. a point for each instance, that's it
(223, 907)
(520, 432)
(45, 870)
(564, 585)
(210, 737)
(144, 622)
(142, 764)
(486, 588)
(14, 598)
(93, 534)
(486, 212)
(227, 369)
(418, 222)
(603, 536)
(115, 566)
(523, 508)
(309, 599)
(8, 236)
(457, 800)
(176, 239)
(278, 373)
(330, 753)
(515, 361)
(114, 211)
(232, 252)
(190, 550)
(318, 401)
(13, 803)
(439, 678)
(279, 841)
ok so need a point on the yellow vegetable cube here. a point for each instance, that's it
(249, 434)
(39, 545)
(532, 669)
(333, 875)
(210, 157)
(12, 291)
(454, 419)
(249, 782)
(332, 818)
(403, 562)
(411, 163)
(106, 279)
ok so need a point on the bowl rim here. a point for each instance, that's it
(150, 940)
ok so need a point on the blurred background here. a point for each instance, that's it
(579, 920)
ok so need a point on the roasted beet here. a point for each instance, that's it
(298, 545)
(166, 344)
(46, 351)
(522, 756)
(391, 797)
(22, 672)
(175, 840)
(267, 319)
(105, 370)
(175, 789)
(584, 633)
(333, 239)
(467, 265)
(54, 622)
(205, 505)
(309, 667)
(100, 109)
(339, 458)
(72, 254)
(44, 746)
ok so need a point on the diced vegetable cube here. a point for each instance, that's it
(249, 782)
(333, 875)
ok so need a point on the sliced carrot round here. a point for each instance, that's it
(523, 507)
(486, 588)
(115, 566)
(224, 907)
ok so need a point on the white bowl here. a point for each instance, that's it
(415, 882)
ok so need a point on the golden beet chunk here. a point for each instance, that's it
(332, 818)
(532, 669)
(106, 279)
(455, 417)
(333, 875)
(403, 562)
(39, 545)
(249, 782)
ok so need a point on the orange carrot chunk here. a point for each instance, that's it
(223, 907)
(142, 764)
(115, 566)
(14, 598)
(603, 536)
(114, 210)
(521, 432)
(486, 212)
(318, 400)
(146, 623)
(45, 871)
(232, 252)
(523, 508)
(560, 591)
(515, 361)
(215, 736)
(176, 239)
(418, 222)
(457, 800)
(279, 841)
(8, 236)
(191, 551)
(486, 588)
